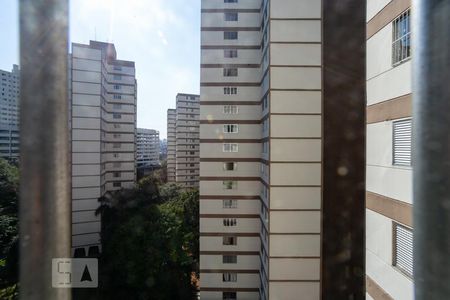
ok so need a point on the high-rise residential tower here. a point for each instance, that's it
(187, 140)
(260, 149)
(9, 113)
(103, 127)
(171, 144)
(147, 145)
(389, 225)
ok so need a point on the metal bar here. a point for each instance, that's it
(44, 141)
(431, 150)
(344, 138)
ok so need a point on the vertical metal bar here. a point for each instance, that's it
(44, 186)
(431, 140)
(344, 153)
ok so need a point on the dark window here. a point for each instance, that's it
(230, 53)
(231, 16)
(230, 72)
(229, 296)
(230, 35)
(229, 240)
(403, 249)
(229, 259)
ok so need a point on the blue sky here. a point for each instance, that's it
(161, 36)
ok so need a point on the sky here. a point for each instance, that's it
(161, 36)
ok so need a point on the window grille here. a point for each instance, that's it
(401, 38)
(402, 142)
(403, 249)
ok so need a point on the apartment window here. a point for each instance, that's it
(229, 296)
(230, 53)
(403, 249)
(116, 125)
(117, 106)
(117, 96)
(230, 16)
(116, 174)
(117, 87)
(229, 240)
(116, 145)
(229, 185)
(230, 91)
(117, 184)
(230, 35)
(230, 128)
(117, 68)
(230, 1)
(229, 259)
(117, 165)
(116, 155)
(230, 147)
(229, 222)
(230, 72)
(230, 109)
(117, 116)
(401, 37)
(402, 131)
(117, 77)
(229, 166)
(229, 277)
(117, 135)
(229, 203)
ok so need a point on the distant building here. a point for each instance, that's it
(187, 140)
(9, 113)
(163, 149)
(103, 126)
(147, 144)
(171, 144)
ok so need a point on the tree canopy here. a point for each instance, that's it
(149, 242)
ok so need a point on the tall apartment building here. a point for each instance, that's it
(147, 147)
(9, 113)
(187, 140)
(389, 173)
(260, 149)
(103, 126)
(171, 144)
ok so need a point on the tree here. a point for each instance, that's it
(9, 232)
(149, 249)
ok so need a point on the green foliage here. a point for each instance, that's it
(9, 190)
(149, 241)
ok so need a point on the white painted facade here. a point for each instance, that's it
(103, 128)
(386, 81)
(275, 178)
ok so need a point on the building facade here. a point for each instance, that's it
(260, 149)
(389, 173)
(103, 127)
(187, 140)
(147, 147)
(171, 144)
(9, 113)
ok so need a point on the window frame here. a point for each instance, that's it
(398, 38)
(402, 270)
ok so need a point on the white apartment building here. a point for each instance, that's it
(171, 144)
(260, 149)
(187, 140)
(147, 145)
(389, 174)
(103, 127)
(9, 113)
